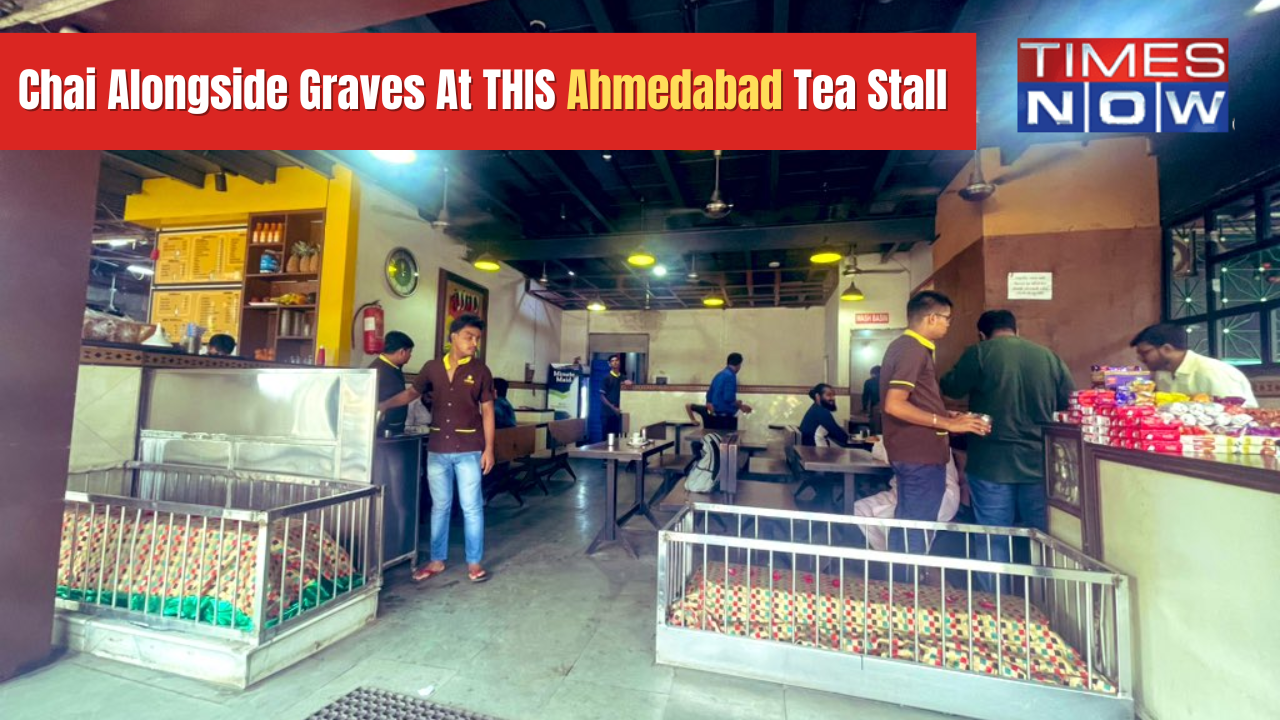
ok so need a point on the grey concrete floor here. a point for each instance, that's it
(553, 634)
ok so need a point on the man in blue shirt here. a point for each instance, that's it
(722, 397)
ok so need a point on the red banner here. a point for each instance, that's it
(455, 91)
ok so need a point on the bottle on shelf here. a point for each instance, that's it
(320, 356)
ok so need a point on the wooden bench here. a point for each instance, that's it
(544, 464)
(510, 445)
(775, 466)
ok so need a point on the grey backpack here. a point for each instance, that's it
(702, 477)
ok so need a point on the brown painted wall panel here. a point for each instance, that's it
(1106, 287)
(963, 280)
(46, 221)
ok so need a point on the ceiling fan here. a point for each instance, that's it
(979, 188)
(853, 269)
(716, 208)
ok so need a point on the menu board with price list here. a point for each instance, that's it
(201, 257)
(217, 311)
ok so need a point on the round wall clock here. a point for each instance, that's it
(402, 272)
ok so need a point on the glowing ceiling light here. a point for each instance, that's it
(660, 270)
(487, 263)
(713, 301)
(641, 258)
(825, 256)
(141, 270)
(852, 293)
(1266, 5)
(396, 157)
(596, 306)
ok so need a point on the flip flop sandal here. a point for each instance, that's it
(426, 574)
(478, 577)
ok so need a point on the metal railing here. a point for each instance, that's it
(232, 554)
(813, 579)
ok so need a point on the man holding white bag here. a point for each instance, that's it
(883, 504)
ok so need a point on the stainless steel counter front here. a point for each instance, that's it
(397, 463)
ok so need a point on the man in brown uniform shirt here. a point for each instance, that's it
(460, 447)
(916, 423)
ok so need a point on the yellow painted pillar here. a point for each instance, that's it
(338, 270)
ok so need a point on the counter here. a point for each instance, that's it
(1201, 539)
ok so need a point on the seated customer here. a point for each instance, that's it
(884, 504)
(221, 344)
(819, 426)
(504, 415)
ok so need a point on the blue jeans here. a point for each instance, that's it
(442, 470)
(920, 491)
(1006, 505)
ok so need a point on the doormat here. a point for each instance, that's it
(373, 704)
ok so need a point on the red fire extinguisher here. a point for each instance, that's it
(370, 317)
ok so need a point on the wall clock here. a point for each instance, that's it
(401, 272)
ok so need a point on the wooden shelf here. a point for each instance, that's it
(294, 337)
(264, 245)
(280, 307)
(283, 275)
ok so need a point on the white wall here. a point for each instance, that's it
(885, 293)
(521, 329)
(781, 346)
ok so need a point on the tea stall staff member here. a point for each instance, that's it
(611, 397)
(722, 397)
(1163, 349)
(460, 447)
(396, 351)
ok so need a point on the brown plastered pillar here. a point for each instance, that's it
(47, 201)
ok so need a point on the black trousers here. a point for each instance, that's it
(722, 422)
(612, 424)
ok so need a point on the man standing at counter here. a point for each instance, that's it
(1163, 349)
(396, 351)
(916, 423)
(460, 447)
(722, 397)
(611, 397)
(1020, 385)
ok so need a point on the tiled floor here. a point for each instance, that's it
(554, 634)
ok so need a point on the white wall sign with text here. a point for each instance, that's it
(871, 318)
(1030, 286)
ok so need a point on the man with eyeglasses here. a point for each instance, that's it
(917, 425)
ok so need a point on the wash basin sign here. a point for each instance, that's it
(871, 318)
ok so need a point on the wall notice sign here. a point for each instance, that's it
(871, 318)
(1030, 286)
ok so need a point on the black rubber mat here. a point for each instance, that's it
(371, 704)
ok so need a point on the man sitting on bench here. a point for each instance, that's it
(819, 426)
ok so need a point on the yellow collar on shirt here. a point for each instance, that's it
(448, 358)
(615, 374)
(384, 359)
(921, 339)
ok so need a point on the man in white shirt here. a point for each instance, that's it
(1163, 349)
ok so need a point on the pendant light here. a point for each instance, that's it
(641, 257)
(713, 301)
(487, 263)
(852, 293)
(596, 305)
(545, 282)
(826, 256)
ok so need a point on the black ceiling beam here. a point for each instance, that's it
(673, 187)
(115, 182)
(775, 163)
(163, 165)
(571, 171)
(882, 177)
(781, 15)
(601, 18)
(313, 160)
(730, 239)
(243, 164)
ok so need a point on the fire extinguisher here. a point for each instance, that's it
(370, 318)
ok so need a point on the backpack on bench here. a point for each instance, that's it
(703, 476)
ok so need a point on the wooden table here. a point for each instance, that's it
(680, 427)
(849, 462)
(747, 440)
(622, 452)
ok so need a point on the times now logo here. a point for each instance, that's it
(1132, 86)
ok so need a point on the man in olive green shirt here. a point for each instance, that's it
(1020, 385)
